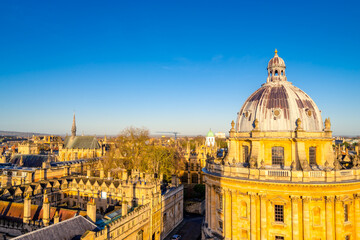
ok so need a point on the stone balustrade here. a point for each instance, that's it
(285, 175)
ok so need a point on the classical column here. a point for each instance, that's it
(295, 217)
(252, 215)
(207, 201)
(263, 209)
(357, 216)
(213, 209)
(339, 216)
(306, 217)
(227, 218)
(329, 217)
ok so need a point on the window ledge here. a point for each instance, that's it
(347, 223)
(281, 224)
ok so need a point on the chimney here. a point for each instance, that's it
(28, 179)
(91, 210)
(174, 181)
(56, 217)
(46, 211)
(102, 173)
(124, 208)
(27, 209)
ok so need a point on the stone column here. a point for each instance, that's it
(263, 209)
(295, 217)
(213, 208)
(207, 201)
(227, 217)
(306, 217)
(329, 217)
(339, 216)
(252, 215)
(357, 216)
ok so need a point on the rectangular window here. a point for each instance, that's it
(246, 154)
(279, 213)
(312, 155)
(346, 212)
(277, 156)
(279, 238)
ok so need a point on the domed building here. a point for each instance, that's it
(210, 139)
(281, 179)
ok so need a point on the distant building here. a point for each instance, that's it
(79, 147)
(220, 135)
(210, 139)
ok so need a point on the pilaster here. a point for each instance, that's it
(227, 212)
(338, 218)
(329, 217)
(263, 217)
(357, 216)
(306, 217)
(295, 217)
(252, 215)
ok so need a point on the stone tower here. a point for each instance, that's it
(73, 128)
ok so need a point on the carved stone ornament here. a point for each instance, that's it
(252, 163)
(256, 124)
(327, 166)
(232, 126)
(293, 165)
(337, 165)
(298, 124)
(327, 124)
(262, 164)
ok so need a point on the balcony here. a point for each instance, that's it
(282, 175)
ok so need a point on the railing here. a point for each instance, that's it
(285, 175)
(278, 173)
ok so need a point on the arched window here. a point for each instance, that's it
(282, 73)
(277, 156)
(312, 155)
(276, 73)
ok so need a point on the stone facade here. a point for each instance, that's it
(281, 179)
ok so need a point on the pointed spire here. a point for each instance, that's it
(73, 129)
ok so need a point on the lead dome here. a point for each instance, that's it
(278, 104)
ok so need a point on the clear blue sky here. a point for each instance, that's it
(170, 65)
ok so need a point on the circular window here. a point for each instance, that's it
(277, 112)
(308, 112)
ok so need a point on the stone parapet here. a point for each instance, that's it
(282, 175)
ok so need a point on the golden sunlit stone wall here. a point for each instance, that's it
(241, 209)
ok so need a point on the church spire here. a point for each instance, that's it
(73, 129)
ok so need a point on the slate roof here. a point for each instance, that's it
(15, 212)
(72, 228)
(29, 160)
(81, 142)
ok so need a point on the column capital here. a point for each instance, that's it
(294, 197)
(329, 199)
(252, 194)
(262, 195)
(356, 196)
(306, 199)
(338, 199)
